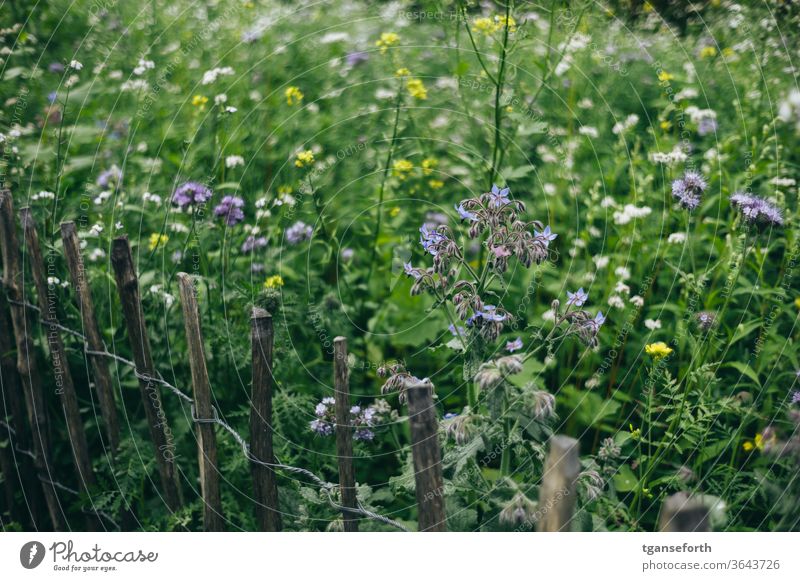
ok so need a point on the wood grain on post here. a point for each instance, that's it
(204, 412)
(683, 514)
(160, 433)
(557, 492)
(427, 455)
(26, 360)
(265, 485)
(344, 432)
(94, 340)
(58, 353)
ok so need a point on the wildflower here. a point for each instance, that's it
(756, 210)
(416, 88)
(293, 95)
(251, 243)
(705, 320)
(708, 52)
(157, 240)
(797, 302)
(298, 232)
(436, 184)
(356, 58)
(401, 168)
(457, 331)
(677, 238)
(387, 39)
(402, 72)
(347, 254)
(415, 273)
(520, 511)
(689, 189)
(211, 76)
(546, 236)
(499, 197)
(394, 212)
(76, 65)
(658, 350)
(428, 165)
(652, 324)
(199, 101)
(578, 298)
(609, 450)
(234, 161)
(760, 441)
(274, 281)
(230, 208)
(631, 212)
(466, 214)
(664, 76)
(796, 397)
(635, 433)
(191, 193)
(304, 158)
(109, 176)
(514, 345)
(460, 428)
(616, 302)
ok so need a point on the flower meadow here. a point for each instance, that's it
(574, 218)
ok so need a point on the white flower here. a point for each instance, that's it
(43, 195)
(144, 65)
(212, 75)
(622, 272)
(592, 382)
(97, 254)
(608, 202)
(637, 301)
(622, 288)
(549, 315)
(118, 226)
(677, 238)
(234, 161)
(71, 81)
(589, 131)
(549, 189)
(261, 202)
(73, 64)
(231, 109)
(102, 197)
(95, 230)
(627, 123)
(677, 155)
(601, 262)
(782, 182)
(652, 324)
(630, 212)
(152, 198)
(52, 281)
(616, 302)
(221, 99)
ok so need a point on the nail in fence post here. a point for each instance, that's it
(204, 411)
(427, 457)
(26, 360)
(83, 296)
(128, 288)
(265, 485)
(344, 433)
(58, 355)
(683, 514)
(557, 492)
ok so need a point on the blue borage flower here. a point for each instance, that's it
(499, 198)
(466, 214)
(546, 236)
(756, 210)
(514, 345)
(578, 298)
(362, 419)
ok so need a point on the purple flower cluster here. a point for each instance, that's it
(109, 176)
(191, 193)
(252, 243)
(230, 208)
(362, 419)
(757, 210)
(689, 189)
(298, 232)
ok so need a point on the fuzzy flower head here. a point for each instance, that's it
(191, 193)
(298, 232)
(230, 209)
(658, 350)
(688, 190)
(756, 210)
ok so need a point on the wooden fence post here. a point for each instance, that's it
(160, 433)
(557, 492)
(265, 485)
(344, 432)
(83, 296)
(58, 353)
(26, 360)
(683, 514)
(204, 412)
(427, 457)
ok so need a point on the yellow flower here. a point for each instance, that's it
(273, 281)
(759, 441)
(797, 302)
(635, 434)
(285, 189)
(386, 40)
(728, 52)
(489, 26)
(293, 95)
(436, 184)
(394, 212)
(664, 76)
(402, 72)
(428, 165)
(500, 22)
(417, 89)
(157, 240)
(708, 52)
(484, 25)
(665, 125)
(648, 7)
(199, 101)
(304, 158)
(658, 350)
(401, 168)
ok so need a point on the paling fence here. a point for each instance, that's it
(34, 494)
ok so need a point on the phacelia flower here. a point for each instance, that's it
(252, 243)
(756, 210)
(293, 95)
(658, 350)
(304, 158)
(191, 193)
(689, 189)
(705, 320)
(298, 232)
(112, 175)
(230, 208)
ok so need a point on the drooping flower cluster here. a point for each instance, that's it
(756, 210)
(580, 323)
(230, 209)
(191, 193)
(689, 189)
(362, 419)
(399, 379)
(492, 373)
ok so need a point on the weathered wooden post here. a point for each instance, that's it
(58, 353)
(203, 412)
(683, 514)
(344, 432)
(427, 455)
(160, 433)
(94, 340)
(265, 485)
(26, 360)
(557, 492)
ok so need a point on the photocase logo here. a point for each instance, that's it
(31, 554)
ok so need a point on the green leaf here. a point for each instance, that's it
(625, 480)
(744, 369)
